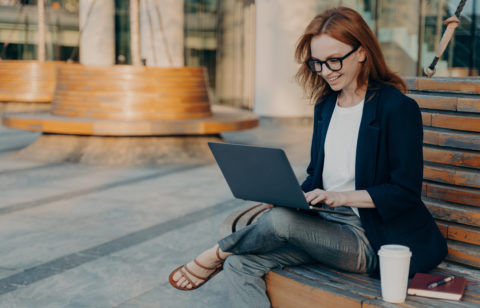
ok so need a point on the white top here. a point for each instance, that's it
(341, 149)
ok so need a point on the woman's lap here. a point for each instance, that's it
(329, 243)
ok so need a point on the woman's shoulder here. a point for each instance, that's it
(393, 99)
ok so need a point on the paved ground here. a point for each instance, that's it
(90, 236)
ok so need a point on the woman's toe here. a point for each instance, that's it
(177, 276)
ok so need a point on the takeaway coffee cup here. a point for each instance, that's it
(394, 267)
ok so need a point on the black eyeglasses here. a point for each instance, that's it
(333, 64)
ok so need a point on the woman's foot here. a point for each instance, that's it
(194, 274)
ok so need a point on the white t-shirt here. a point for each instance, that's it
(341, 149)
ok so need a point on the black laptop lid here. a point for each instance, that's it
(259, 174)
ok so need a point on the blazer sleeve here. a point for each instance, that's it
(404, 142)
(307, 185)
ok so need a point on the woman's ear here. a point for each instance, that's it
(361, 54)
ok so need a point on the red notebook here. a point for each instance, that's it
(451, 290)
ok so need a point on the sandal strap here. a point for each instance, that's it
(217, 252)
(203, 266)
(184, 274)
(193, 274)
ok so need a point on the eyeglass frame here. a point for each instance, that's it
(326, 61)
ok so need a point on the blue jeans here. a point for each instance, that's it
(285, 237)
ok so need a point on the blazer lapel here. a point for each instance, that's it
(367, 144)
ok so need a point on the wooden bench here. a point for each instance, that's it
(125, 100)
(319, 286)
(26, 85)
(127, 115)
(451, 190)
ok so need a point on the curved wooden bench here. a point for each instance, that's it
(126, 92)
(132, 101)
(27, 81)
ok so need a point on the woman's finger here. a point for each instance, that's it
(318, 199)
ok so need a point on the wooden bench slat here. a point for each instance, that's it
(454, 213)
(451, 121)
(300, 293)
(464, 234)
(461, 140)
(467, 196)
(463, 253)
(451, 157)
(458, 232)
(468, 104)
(445, 84)
(435, 101)
(446, 175)
(360, 284)
(447, 103)
(27, 81)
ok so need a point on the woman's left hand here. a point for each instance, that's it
(330, 198)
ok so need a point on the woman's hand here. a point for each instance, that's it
(330, 198)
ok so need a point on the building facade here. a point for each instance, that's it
(246, 45)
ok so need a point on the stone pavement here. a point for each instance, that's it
(76, 235)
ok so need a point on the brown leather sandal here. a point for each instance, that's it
(186, 271)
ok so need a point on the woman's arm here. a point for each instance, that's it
(355, 198)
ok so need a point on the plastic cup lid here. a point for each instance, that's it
(398, 251)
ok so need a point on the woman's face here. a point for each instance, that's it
(324, 47)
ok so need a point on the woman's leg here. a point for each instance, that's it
(284, 237)
(332, 244)
(244, 274)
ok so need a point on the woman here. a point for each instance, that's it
(366, 158)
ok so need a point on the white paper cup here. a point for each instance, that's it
(394, 267)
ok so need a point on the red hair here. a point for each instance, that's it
(347, 26)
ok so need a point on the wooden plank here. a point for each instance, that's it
(285, 292)
(465, 215)
(461, 140)
(360, 284)
(455, 194)
(464, 253)
(446, 175)
(458, 122)
(427, 119)
(223, 119)
(27, 81)
(452, 121)
(465, 234)
(451, 157)
(446, 84)
(468, 104)
(429, 101)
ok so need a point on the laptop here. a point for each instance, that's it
(262, 174)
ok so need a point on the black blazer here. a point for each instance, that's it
(389, 165)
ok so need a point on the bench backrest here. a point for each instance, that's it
(451, 189)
